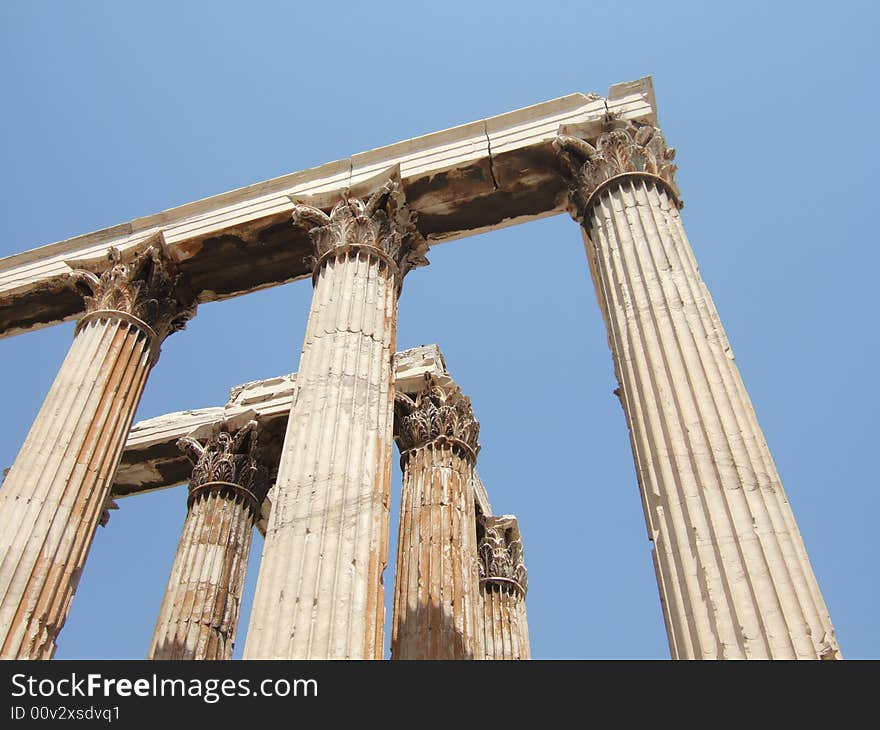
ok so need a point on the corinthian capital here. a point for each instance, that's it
(435, 412)
(228, 459)
(501, 552)
(626, 147)
(147, 287)
(382, 222)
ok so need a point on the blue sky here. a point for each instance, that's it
(113, 110)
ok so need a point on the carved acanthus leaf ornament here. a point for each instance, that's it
(435, 411)
(383, 222)
(228, 457)
(625, 147)
(501, 553)
(148, 287)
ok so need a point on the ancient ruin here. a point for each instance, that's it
(307, 458)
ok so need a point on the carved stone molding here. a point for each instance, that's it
(436, 412)
(383, 222)
(501, 552)
(228, 459)
(625, 148)
(148, 288)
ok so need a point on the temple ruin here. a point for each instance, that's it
(306, 458)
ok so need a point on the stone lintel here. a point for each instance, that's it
(476, 177)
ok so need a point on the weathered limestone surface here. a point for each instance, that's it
(503, 584)
(319, 591)
(199, 615)
(472, 178)
(734, 577)
(436, 598)
(55, 493)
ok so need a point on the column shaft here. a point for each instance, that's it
(436, 601)
(733, 572)
(732, 566)
(319, 592)
(55, 492)
(503, 586)
(199, 614)
(504, 623)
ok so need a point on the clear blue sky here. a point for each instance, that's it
(113, 110)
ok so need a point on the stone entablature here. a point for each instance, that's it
(473, 178)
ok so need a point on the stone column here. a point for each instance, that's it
(54, 496)
(199, 614)
(319, 591)
(734, 577)
(436, 596)
(503, 582)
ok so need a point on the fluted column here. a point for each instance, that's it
(319, 591)
(503, 583)
(735, 580)
(436, 600)
(199, 615)
(55, 493)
